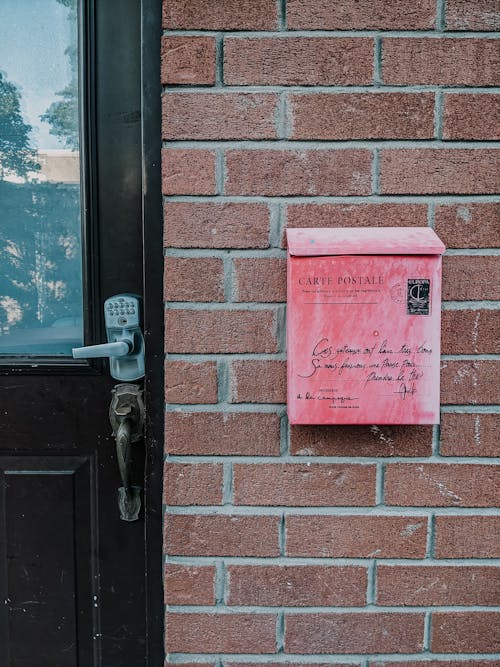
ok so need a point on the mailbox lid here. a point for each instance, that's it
(364, 241)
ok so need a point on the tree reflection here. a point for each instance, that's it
(16, 155)
(40, 255)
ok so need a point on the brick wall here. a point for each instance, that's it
(340, 545)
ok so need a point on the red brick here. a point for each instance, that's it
(290, 172)
(356, 536)
(188, 172)
(359, 15)
(468, 225)
(262, 279)
(225, 331)
(471, 117)
(207, 225)
(306, 484)
(434, 663)
(348, 116)
(193, 279)
(465, 632)
(297, 586)
(209, 433)
(439, 171)
(220, 633)
(289, 664)
(192, 484)
(354, 633)
(448, 62)
(188, 60)
(227, 15)
(211, 535)
(258, 381)
(470, 434)
(467, 278)
(220, 115)
(361, 440)
(467, 537)
(477, 15)
(303, 61)
(356, 215)
(441, 485)
(187, 382)
(437, 585)
(469, 382)
(470, 331)
(189, 584)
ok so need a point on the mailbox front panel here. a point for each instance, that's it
(363, 337)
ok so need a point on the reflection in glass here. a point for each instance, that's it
(40, 240)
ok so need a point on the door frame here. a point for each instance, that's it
(152, 274)
(152, 226)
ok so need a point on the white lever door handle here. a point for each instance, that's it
(118, 349)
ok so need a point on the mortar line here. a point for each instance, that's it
(337, 460)
(371, 592)
(431, 213)
(466, 305)
(280, 632)
(274, 231)
(219, 171)
(262, 305)
(438, 115)
(481, 252)
(300, 658)
(435, 439)
(279, 34)
(282, 535)
(283, 129)
(294, 610)
(282, 17)
(229, 286)
(220, 305)
(427, 632)
(280, 327)
(226, 407)
(284, 436)
(223, 253)
(429, 548)
(219, 583)
(219, 60)
(379, 484)
(331, 144)
(333, 89)
(441, 199)
(441, 16)
(377, 61)
(227, 483)
(375, 171)
(223, 381)
(331, 511)
(338, 562)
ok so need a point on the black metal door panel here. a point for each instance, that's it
(74, 576)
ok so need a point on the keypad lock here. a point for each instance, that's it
(125, 346)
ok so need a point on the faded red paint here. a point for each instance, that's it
(363, 325)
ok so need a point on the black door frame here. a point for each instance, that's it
(152, 273)
(152, 221)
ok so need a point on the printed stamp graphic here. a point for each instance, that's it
(418, 296)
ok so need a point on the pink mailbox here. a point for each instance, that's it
(363, 325)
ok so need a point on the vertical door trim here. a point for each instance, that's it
(152, 226)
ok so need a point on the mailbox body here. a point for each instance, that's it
(363, 325)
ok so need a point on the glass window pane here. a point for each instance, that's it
(40, 239)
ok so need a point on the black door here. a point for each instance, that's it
(81, 586)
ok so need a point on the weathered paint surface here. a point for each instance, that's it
(363, 330)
